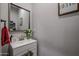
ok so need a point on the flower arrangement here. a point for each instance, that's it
(28, 33)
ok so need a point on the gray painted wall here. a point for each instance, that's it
(56, 35)
(4, 16)
(0, 30)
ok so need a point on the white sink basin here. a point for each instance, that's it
(22, 42)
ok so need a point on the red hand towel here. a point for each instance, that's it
(5, 38)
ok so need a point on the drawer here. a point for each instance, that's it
(32, 45)
(22, 49)
(19, 50)
(33, 50)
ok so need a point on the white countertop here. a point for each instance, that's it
(21, 43)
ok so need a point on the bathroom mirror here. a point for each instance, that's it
(19, 18)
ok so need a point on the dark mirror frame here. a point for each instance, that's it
(9, 4)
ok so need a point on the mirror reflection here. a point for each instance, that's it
(19, 18)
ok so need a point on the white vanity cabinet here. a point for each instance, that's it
(24, 48)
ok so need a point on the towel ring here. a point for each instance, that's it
(3, 21)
